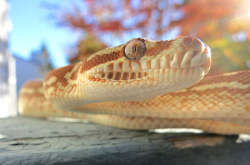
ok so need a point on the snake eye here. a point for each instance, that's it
(135, 50)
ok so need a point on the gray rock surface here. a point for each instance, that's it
(35, 141)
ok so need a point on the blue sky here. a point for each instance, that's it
(31, 27)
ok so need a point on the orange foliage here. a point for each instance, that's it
(222, 24)
(85, 47)
(117, 17)
(214, 17)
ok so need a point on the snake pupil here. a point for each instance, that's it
(135, 48)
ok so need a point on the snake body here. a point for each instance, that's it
(142, 85)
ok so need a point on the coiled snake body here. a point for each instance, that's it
(142, 85)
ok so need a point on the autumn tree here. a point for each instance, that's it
(85, 46)
(221, 24)
(114, 22)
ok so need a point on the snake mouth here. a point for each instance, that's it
(149, 76)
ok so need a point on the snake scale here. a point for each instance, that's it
(143, 85)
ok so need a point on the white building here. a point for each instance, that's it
(29, 69)
(7, 66)
(15, 71)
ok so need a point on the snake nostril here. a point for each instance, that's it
(192, 43)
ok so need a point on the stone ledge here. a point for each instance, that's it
(35, 141)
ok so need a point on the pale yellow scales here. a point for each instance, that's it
(144, 84)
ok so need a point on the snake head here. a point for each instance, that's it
(141, 68)
(137, 70)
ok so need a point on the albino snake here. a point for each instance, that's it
(144, 84)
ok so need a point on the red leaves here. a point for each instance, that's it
(117, 17)
(111, 26)
(216, 22)
(222, 15)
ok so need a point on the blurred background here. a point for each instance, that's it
(37, 36)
